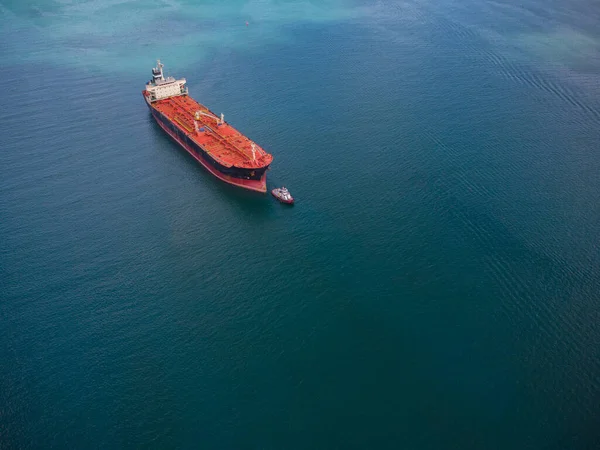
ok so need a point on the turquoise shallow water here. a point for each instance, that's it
(435, 286)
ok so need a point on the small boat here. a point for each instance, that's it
(283, 195)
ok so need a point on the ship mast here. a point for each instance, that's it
(157, 72)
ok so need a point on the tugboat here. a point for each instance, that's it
(283, 195)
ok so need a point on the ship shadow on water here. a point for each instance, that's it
(255, 204)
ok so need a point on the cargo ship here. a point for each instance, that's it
(221, 149)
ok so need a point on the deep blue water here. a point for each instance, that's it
(436, 286)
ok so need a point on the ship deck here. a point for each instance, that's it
(223, 142)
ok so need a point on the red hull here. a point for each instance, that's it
(253, 185)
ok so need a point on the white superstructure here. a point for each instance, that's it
(160, 87)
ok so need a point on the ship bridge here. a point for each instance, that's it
(160, 87)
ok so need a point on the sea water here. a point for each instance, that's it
(436, 285)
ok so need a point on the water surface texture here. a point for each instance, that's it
(436, 286)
